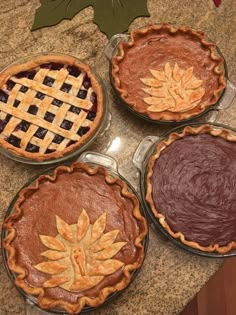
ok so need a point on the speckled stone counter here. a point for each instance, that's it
(170, 277)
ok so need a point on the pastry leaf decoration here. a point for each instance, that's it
(174, 90)
(111, 16)
(51, 268)
(52, 243)
(81, 255)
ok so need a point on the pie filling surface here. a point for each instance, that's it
(77, 238)
(193, 184)
(49, 106)
(168, 73)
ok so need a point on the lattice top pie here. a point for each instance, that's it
(75, 237)
(168, 73)
(49, 106)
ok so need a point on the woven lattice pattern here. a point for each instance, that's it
(47, 109)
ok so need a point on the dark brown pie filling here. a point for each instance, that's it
(194, 187)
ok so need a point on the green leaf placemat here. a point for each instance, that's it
(111, 16)
(115, 16)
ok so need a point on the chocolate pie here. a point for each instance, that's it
(168, 73)
(75, 237)
(191, 187)
(49, 106)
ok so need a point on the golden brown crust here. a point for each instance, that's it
(43, 300)
(31, 64)
(165, 114)
(209, 129)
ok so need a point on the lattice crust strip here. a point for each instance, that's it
(52, 93)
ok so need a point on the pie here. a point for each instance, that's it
(49, 106)
(75, 237)
(167, 73)
(191, 187)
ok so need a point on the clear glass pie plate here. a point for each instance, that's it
(141, 157)
(92, 159)
(103, 125)
(226, 97)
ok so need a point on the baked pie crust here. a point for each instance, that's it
(168, 73)
(72, 248)
(190, 187)
(49, 106)
(175, 90)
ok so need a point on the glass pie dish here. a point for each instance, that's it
(93, 161)
(121, 45)
(52, 107)
(188, 182)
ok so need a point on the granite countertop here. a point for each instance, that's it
(170, 277)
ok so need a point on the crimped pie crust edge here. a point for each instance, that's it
(35, 62)
(208, 129)
(167, 115)
(43, 301)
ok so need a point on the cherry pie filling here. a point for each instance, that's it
(22, 93)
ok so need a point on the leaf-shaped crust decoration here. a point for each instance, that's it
(180, 92)
(53, 254)
(84, 282)
(187, 75)
(157, 101)
(52, 268)
(64, 229)
(156, 109)
(159, 75)
(111, 250)
(105, 267)
(52, 242)
(151, 82)
(193, 84)
(86, 259)
(168, 71)
(106, 240)
(55, 282)
(176, 73)
(98, 227)
(82, 225)
(196, 95)
(154, 92)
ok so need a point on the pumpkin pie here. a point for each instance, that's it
(167, 73)
(75, 237)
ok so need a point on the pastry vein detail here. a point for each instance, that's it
(175, 90)
(81, 254)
